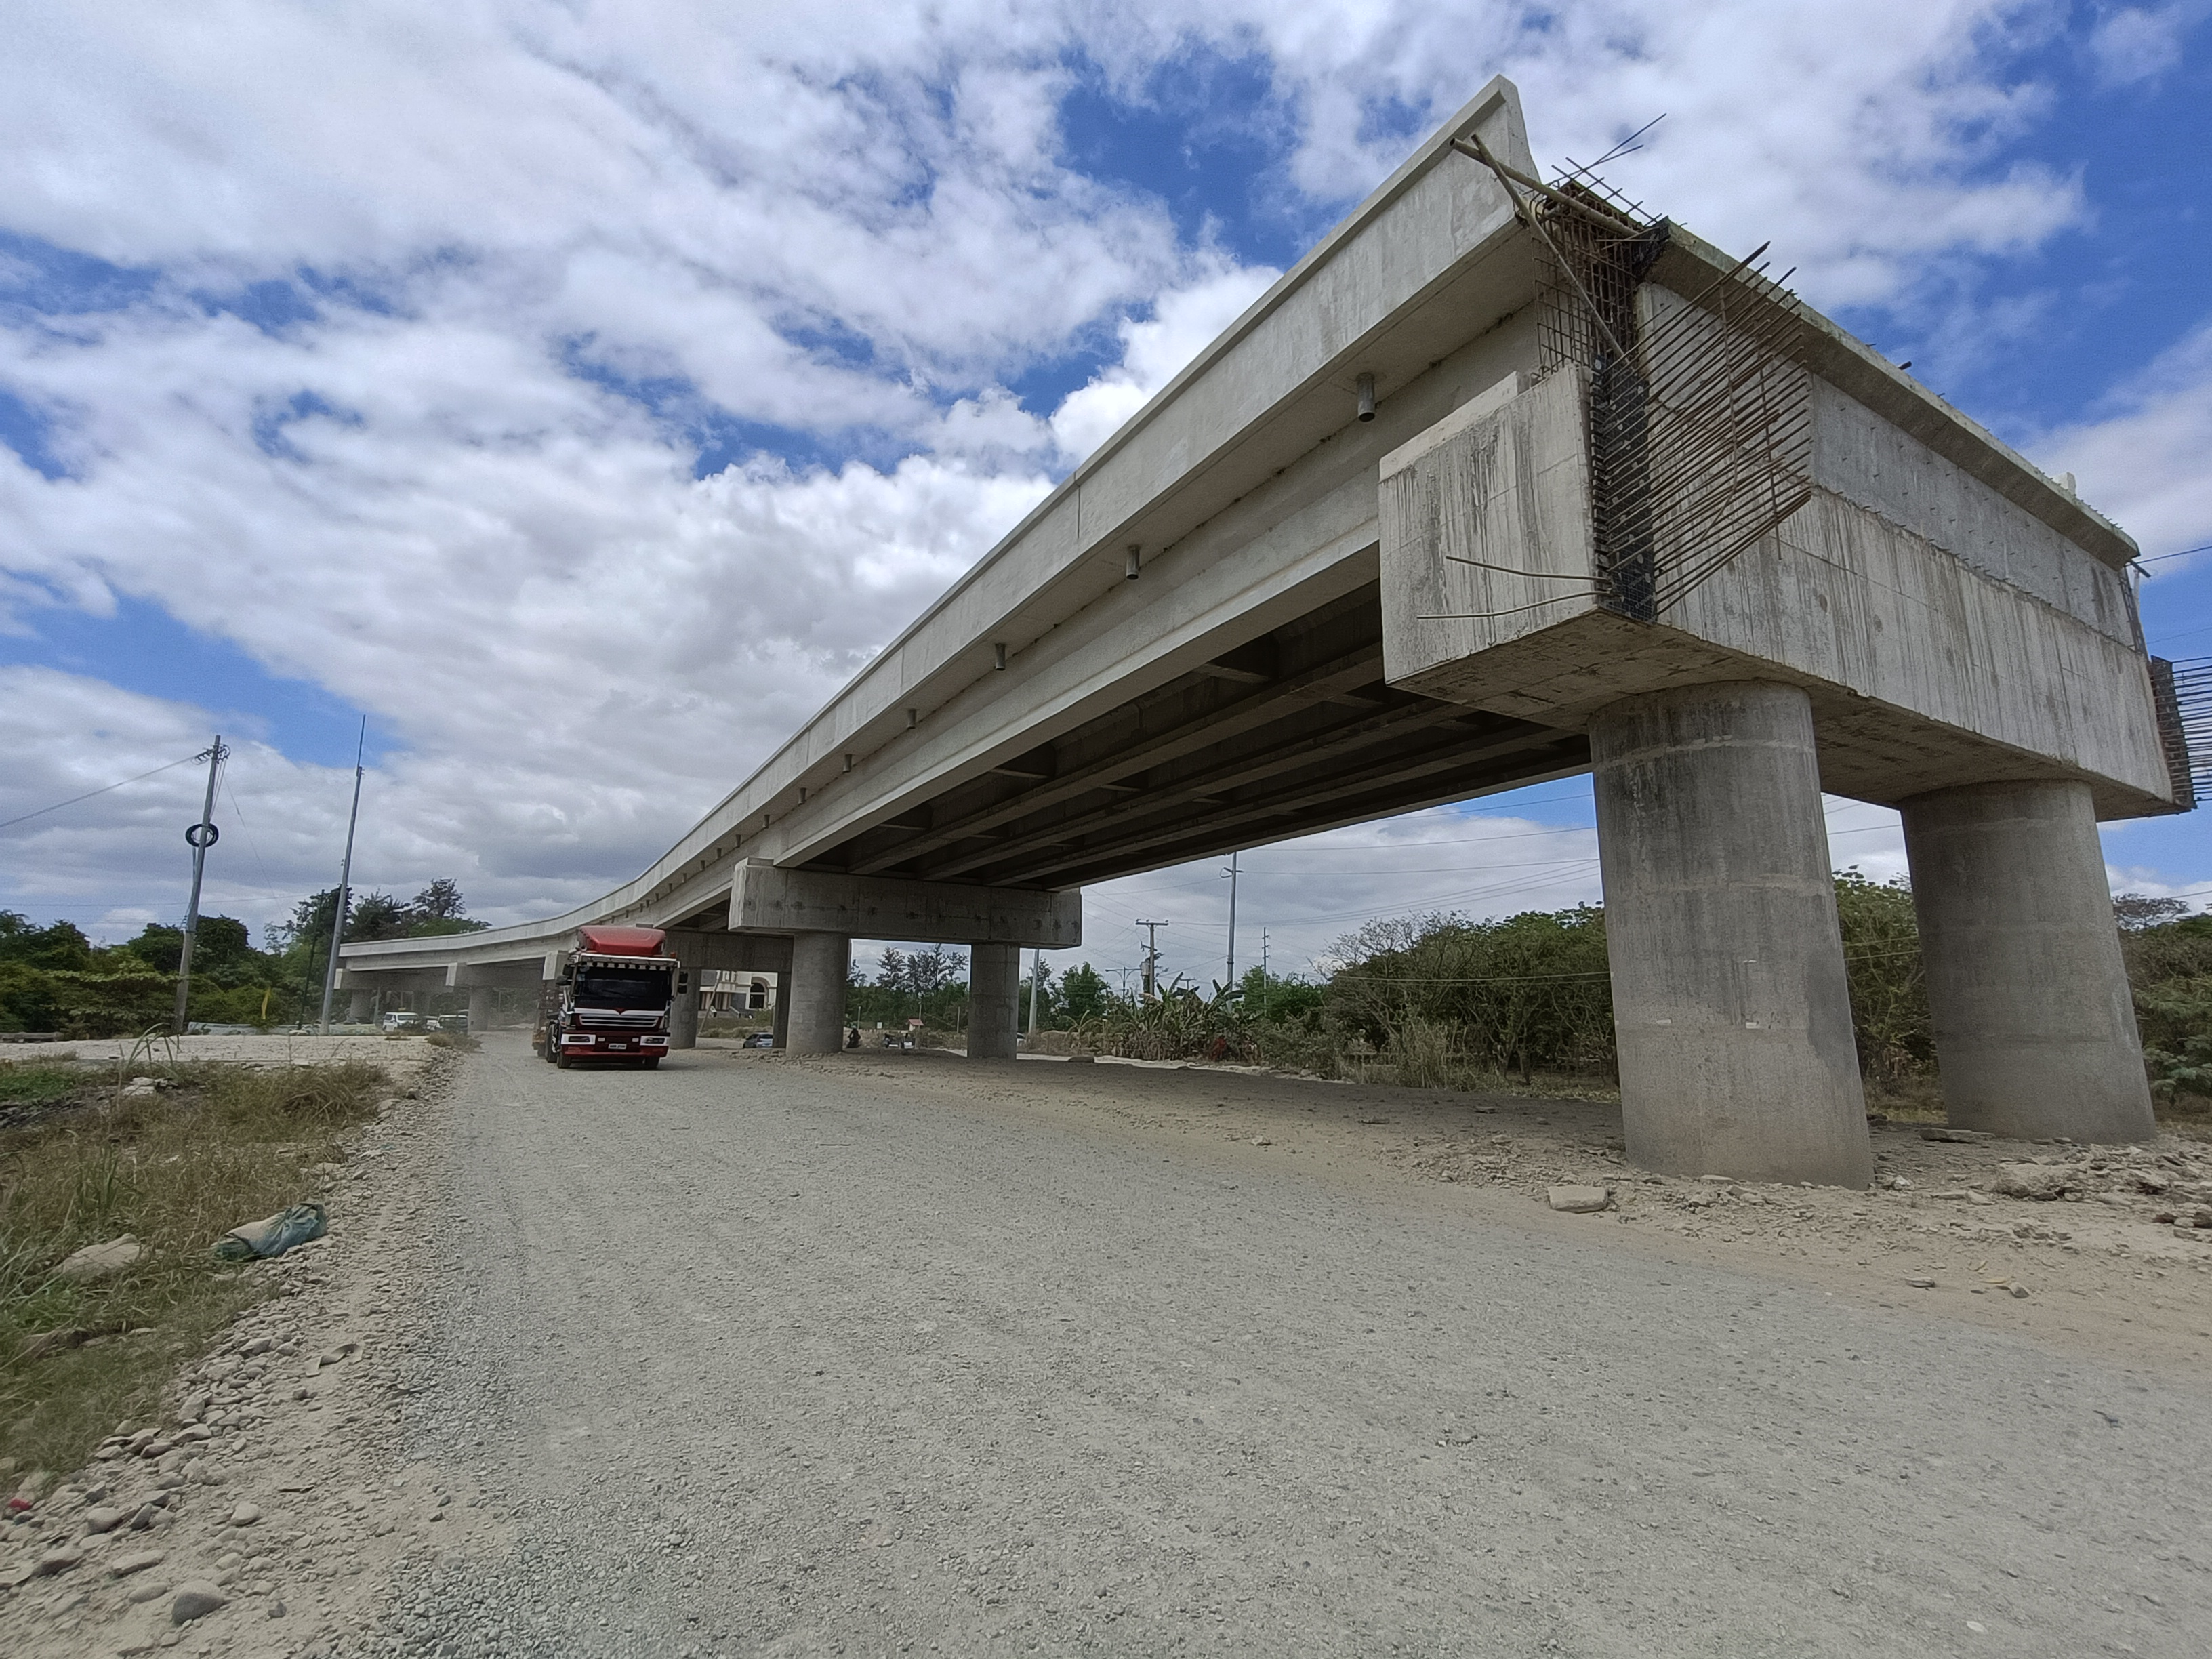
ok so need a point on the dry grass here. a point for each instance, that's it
(225, 1144)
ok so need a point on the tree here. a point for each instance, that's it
(1083, 994)
(2136, 911)
(440, 902)
(58, 944)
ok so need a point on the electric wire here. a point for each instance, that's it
(104, 789)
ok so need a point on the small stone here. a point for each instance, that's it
(100, 1261)
(60, 1559)
(196, 1600)
(151, 1589)
(2035, 1181)
(105, 1519)
(260, 1345)
(1578, 1200)
(245, 1514)
(2020, 1291)
(137, 1561)
(1924, 1283)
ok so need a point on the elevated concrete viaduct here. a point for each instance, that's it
(1501, 483)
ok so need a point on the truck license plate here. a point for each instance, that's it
(618, 1048)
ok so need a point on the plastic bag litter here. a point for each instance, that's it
(272, 1235)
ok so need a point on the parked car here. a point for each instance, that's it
(760, 1040)
(403, 1020)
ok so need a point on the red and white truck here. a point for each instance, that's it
(612, 1000)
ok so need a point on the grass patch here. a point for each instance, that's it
(35, 1086)
(224, 1144)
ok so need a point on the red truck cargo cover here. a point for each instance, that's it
(621, 941)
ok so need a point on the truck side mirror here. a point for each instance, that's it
(683, 983)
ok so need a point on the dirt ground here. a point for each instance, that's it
(2106, 1268)
(766, 1355)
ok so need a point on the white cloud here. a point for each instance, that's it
(855, 225)
(1183, 322)
(2140, 457)
(2140, 43)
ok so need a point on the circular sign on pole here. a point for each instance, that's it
(202, 834)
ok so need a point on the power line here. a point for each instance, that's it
(103, 789)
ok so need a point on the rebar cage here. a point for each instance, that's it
(1700, 418)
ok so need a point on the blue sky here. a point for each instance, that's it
(689, 358)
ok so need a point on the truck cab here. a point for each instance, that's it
(611, 1003)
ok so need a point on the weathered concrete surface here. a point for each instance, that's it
(2035, 1026)
(942, 1367)
(995, 979)
(766, 899)
(1730, 1004)
(1944, 634)
(815, 994)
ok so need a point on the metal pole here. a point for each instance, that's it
(345, 883)
(202, 835)
(1151, 957)
(1263, 972)
(1232, 986)
(1036, 978)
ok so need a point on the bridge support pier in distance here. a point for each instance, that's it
(361, 1008)
(825, 910)
(995, 983)
(2035, 1026)
(479, 1010)
(820, 965)
(780, 1015)
(1731, 1008)
(684, 1012)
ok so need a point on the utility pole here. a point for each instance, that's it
(345, 881)
(1152, 957)
(199, 837)
(1263, 972)
(1231, 986)
(1036, 979)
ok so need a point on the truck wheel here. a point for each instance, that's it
(564, 1061)
(653, 1065)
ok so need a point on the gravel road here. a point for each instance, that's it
(756, 1356)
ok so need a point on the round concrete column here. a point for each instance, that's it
(1729, 1001)
(479, 1010)
(684, 1012)
(994, 990)
(361, 1008)
(2035, 1027)
(819, 965)
(780, 1015)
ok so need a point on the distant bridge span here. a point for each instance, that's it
(1377, 548)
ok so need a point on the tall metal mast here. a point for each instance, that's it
(1230, 984)
(345, 881)
(199, 836)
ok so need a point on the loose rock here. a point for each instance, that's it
(245, 1514)
(137, 1561)
(196, 1600)
(100, 1261)
(1579, 1200)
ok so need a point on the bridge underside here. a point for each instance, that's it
(1294, 732)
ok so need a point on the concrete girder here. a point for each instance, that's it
(1398, 784)
(1216, 725)
(1209, 774)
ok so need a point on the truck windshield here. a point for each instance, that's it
(622, 987)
